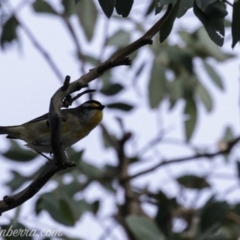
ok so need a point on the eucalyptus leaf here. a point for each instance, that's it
(68, 7)
(16, 181)
(107, 6)
(193, 182)
(214, 212)
(143, 228)
(123, 7)
(205, 96)
(16, 153)
(67, 211)
(42, 6)
(50, 202)
(112, 89)
(167, 25)
(212, 26)
(192, 114)
(9, 31)
(213, 75)
(120, 106)
(202, 4)
(157, 85)
(120, 38)
(228, 134)
(184, 6)
(87, 14)
(216, 10)
(209, 49)
(235, 23)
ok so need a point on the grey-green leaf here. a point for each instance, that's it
(184, 6)
(211, 25)
(87, 15)
(205, 97)
(9, 31)
(202, 4)
(193, 182)
(17, 153)
(168, 23)
(191, 113)
(157, 85)
(143, 228)
(213, 75)
(120, 38)
(123, 7)
(228, 134)
(120, 106)
(235, 23)
(107, 6)
(41, 6)
(112, 89)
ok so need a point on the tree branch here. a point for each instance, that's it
(184, 159)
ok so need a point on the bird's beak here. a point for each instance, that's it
(101, 107)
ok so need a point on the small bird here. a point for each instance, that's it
(78, 123)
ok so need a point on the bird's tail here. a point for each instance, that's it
(3, 130)
(12, 132)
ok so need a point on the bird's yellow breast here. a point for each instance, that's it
(90, 125)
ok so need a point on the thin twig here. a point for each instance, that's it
(227, 2)
(184, 159)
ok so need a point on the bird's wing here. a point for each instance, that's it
(43, 117)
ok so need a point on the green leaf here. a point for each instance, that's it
(235, 23)
(167, 25)
(68, 7)
(165, 2)
(158, 7)
(213, 213)
(67, 211)
(151, 7)
(89, 170)
(184, 6)
(61, 206)
(228, 134)
(112, 89)
(19, 154)
(191, 111)
(109, 139)
(165, 208)
(157, 84)
(41, 6)
(74, 155)
(193, 182)
(206, 48)
(76, 1)
(202, 4)
(51, 202)
(16, 181)
(87, 15)
(95, 206)
(205, 97)
(120, 38)
(211, 25)
(120, 106)
(238, 168)
(216, 10)
(143, 228)
(175, 91)
(213, 75)
(9, 31)
(123, 7)
(107, 6)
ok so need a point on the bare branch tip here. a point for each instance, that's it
(66, 83)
